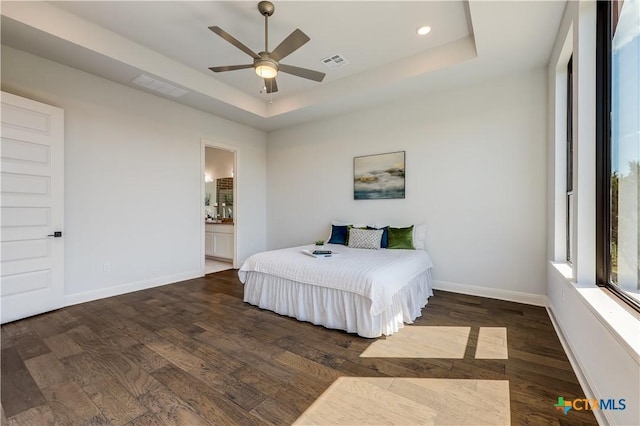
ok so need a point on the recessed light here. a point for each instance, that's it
(423, 30)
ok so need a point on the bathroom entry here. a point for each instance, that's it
(218, 209)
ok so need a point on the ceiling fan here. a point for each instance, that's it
(267, 64)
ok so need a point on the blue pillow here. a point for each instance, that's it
(339, 234)
(384, 243)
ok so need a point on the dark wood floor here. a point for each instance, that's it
(194, 353)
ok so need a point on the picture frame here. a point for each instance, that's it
(379, 176)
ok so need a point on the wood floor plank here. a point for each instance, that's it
(308, 384)
(308, 366)
(114, 337)
(52, 323)
(62, 345)
(170, 409)
(36, 416)
(561, 364)
(201, 350)
(259, 380)
(242, 394)
(89, 319)
(122, 310)
(232, 350)
(518, 367)
(70, 405)
(3, 416)
(83, 368)
(132, 329)
(30, 345)
(19, 391)
(230, 336)
(129, 374)
(9, 332)
(208, 403)
(325, 358)
(114, 401)
(272, 412)
(147, 419)
(46, 370)
(147, 359)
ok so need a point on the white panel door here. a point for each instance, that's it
(31, 208)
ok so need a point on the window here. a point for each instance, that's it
(569, 165)
(618, 145)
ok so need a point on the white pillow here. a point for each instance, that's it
(420, 236)
(365, 238)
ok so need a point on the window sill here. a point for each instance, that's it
(565, 270)
(621, 322)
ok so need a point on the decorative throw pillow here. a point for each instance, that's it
(365, 238)
(401, 238)
(385, 235)
(339, 234)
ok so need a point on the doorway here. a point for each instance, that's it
(219, 208)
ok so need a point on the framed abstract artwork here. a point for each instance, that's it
(379, 176)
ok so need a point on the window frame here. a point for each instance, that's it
(604, 37)
(569, 199)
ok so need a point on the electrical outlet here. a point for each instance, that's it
(106, 267)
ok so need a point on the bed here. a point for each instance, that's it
(368, 292)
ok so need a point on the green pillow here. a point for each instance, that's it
(401, 238)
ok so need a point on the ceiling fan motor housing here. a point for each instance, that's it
(266, 8)
(265, 60)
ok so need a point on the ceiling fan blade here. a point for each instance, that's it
(228, 37)
(302, 72)
(271, 85)
(289, 45)
(230, 68)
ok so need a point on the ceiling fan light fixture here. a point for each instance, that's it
(266, 69)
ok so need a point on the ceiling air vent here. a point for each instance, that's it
(158, 86)
(334, 62)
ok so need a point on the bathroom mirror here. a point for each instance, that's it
(218, 198)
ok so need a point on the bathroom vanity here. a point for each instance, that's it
(218, 240)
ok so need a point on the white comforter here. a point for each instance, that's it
(374, 274)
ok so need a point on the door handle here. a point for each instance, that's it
(56, 234)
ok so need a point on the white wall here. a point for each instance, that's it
(600, 336)
(475, 173)
(133, 179)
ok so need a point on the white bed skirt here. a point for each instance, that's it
(335, 308)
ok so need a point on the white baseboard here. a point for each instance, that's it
(492, 293)
(88, 296)
(583, 379)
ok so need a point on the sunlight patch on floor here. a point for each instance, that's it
(492, 343)
(421, 342)
(401, 401)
